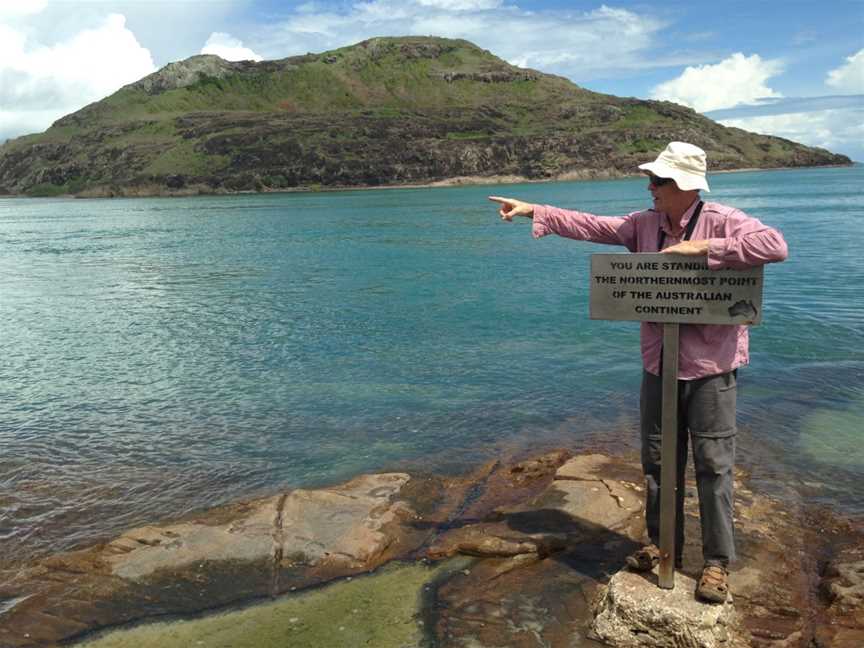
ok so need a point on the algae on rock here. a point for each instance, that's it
(377, 610)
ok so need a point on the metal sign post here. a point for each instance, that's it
(668, 457)
(672, 289)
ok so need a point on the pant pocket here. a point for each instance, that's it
(713, 455)
(711, 407)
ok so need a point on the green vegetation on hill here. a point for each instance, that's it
(384, 111)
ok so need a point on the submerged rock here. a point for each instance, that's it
(842, 586)
(379, 610)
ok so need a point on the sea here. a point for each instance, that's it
(164, 355)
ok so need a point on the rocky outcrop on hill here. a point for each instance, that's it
(185, 73)
(388, 111)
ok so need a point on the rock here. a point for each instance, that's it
(141, 552)
(592, 503)
(843, 586)
(483, 545)
(342, 525)
(602, 467)
(230, 554)
(587, 466)
(838, 638)
(543, 535)
(564, 513)
(185, 73)
(519, 602)
(583, 502)
(633, 612)
(495, 540)
(847, 589)
(175, 181)
(539, 467)
(490, 76)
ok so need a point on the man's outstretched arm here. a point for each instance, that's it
(582, 226)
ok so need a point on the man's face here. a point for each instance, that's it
(664, 191)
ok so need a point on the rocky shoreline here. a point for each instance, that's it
(189, 190)
(523, 553)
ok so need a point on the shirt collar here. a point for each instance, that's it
(664, 221)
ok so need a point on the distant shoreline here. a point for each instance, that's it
(586, 175)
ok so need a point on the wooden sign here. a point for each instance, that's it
(673, 288)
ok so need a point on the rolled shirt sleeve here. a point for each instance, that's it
(740, 241)
(612, 230)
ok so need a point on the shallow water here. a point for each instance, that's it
(163, 355)
(380, 610)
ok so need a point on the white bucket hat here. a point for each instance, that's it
(682, 162)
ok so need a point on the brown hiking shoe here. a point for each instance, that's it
(644, 559)
(713, 587)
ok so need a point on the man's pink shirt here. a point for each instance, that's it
(735, 240)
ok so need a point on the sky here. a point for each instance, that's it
(792, 68)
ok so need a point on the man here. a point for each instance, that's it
(681, 223)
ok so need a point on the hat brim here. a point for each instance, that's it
(685, 181)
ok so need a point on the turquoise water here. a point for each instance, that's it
(163, 355)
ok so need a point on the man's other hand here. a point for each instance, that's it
(690, 248)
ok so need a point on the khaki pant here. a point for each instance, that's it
(706, 416)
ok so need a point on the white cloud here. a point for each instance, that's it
(12, 8)
(42, 82)
(787, 105)
(736, 80)
(171, 30)
(229, 48)
(838, 130)
(461, 5)
(834, 122)
(849, 77)
(11, 43)
(580, 45)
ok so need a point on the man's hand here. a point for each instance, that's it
(690, 248)
(511, 207)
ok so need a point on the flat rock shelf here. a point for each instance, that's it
(514, 553)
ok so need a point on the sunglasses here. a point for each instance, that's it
(659, 182)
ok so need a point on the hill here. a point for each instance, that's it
(387, 111)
